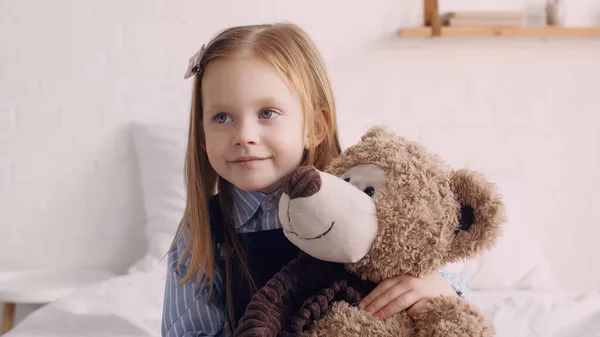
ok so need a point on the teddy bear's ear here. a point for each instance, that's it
(377, 131)
(481, 214)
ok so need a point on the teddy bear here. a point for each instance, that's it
(384, 207)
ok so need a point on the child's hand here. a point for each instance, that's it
(405, 292)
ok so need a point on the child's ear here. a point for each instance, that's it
(306, 140)
(481, 215)
(319, 131)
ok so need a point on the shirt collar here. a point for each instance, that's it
(245, 204)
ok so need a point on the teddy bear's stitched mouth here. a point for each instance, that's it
(316, 237)
(298, 235)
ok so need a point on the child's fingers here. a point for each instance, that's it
(399, 304)
(384, 299)
(379, 289)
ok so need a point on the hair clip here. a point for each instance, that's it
(194, 65)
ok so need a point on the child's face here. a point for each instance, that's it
(253, 123)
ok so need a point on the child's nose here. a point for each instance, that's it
(302, 182)
(246, 134)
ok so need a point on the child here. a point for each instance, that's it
(262, 105)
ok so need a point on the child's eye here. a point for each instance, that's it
(268, 114)
(221, 118)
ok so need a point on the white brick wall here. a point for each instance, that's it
(74, 74)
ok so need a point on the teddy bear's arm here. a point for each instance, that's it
(453, 317)
(271, 308)
(350, 321)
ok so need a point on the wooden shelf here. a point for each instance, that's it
(434, 26)
(501, 31)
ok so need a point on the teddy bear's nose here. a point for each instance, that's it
(302, 182)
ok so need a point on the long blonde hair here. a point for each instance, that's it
(293, 54)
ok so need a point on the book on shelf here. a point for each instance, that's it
(483, 19)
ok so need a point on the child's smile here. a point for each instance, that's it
(247, 162)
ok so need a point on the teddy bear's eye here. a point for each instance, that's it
(369, 191)
(347, 179)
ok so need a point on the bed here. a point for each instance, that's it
(131, 305)
(512, 284)
(127, 305)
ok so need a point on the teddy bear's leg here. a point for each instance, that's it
(349, 321)
(452, 317)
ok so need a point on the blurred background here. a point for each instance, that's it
(78, 77)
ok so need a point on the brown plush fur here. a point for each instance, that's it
(346, 320)
(429, 215)
(419, 208)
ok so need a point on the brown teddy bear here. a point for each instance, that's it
(384, 207)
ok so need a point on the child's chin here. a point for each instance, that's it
(258, 186)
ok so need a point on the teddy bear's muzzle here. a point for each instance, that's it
(327, 217)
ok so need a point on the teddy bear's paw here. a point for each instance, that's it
(452, 317)
(345, 320)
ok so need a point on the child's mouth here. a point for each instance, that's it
(248, 162)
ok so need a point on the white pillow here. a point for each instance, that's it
(517, 261)
(160, 151)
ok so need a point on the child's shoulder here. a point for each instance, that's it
(215, 221)
(177, 256)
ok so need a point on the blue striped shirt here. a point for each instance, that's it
(188, 311)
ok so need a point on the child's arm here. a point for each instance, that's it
(188, 311)
(410, 293)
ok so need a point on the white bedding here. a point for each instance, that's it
(527, 313)
(131, 305)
